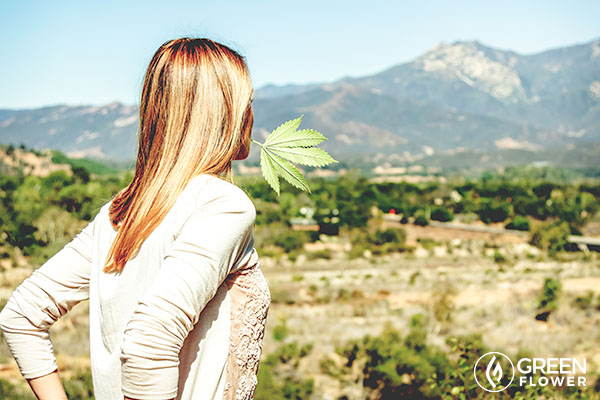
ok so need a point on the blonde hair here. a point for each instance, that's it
(194, 112)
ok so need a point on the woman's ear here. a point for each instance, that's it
(245, 136)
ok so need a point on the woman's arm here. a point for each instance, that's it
(48, 387)
(49, 293)
(217, 234)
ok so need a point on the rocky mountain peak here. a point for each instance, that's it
(476, 65)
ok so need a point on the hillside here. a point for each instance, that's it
(457, 96)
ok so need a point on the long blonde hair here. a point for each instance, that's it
(194, 112)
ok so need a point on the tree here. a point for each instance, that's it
(553, 237)
(441, 214)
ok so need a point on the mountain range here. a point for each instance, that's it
(461, 96)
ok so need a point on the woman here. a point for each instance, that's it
(177, 301)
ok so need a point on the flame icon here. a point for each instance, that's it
(493, 371)
(496, 372)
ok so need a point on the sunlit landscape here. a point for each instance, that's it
(363, 273)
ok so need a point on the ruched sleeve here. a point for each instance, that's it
(203, 253)
(48, 294)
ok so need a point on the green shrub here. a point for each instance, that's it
(413, 278)
(388, 360)
(291, 240)
(441, 214)
(548, 300)
(442, 302)
(8, 391)
(380, 242)
(293, 255)
(324, 254)
(519, 223)
(357, 251)
(282, 296)
(427, 243)
(421, 218)
(276, 383)
(280, 331)
(553, 237)
(393, 366)
(328, 366)
(584, 302)
(271, 252)
(390, 235)
(80, 386)
(499, 258)
(493, 210)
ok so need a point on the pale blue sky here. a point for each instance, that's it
(95, 52)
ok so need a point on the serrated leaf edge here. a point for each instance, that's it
(299, 180)
(318, 161)
(292, 124)
(268, 170)
(318, 138)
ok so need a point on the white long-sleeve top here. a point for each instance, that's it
(184, 319)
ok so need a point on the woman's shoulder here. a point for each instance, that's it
(203, 192)
(206, 189)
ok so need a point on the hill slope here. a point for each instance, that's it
(461, 95)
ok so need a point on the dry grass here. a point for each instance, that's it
(461, 290)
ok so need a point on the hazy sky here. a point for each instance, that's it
(95, 52)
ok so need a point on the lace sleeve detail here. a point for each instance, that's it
(250, 300)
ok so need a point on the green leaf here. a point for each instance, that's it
(310, 156)
(288, 171)
(287, 144)
(268, 170)
(302, 138)
(283, 129)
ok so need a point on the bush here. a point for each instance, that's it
(421, 219)
(380, 242)
(324, 254)
(427, 243)
(8, 391)
(389, 360)
(548, 301)
(499, 258)
(390, 235)
(282, 296)
(393, 366)
(275, 381)
(519, 223)
(441, 214)
(357, 251)
(80, 386)
(280, 331)
(553, 237)
(291, 240)
(493, 210)
(584, 302)
(293, 255)
(442, 302)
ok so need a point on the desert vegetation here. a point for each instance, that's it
(389, 305)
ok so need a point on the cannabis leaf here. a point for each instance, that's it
(287, 145)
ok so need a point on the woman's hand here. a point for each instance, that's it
(48, 387)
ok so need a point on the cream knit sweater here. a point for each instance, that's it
(184, 319)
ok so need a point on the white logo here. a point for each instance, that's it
(493, 371)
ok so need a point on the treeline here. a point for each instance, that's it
(40, 214)
(514, 202)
